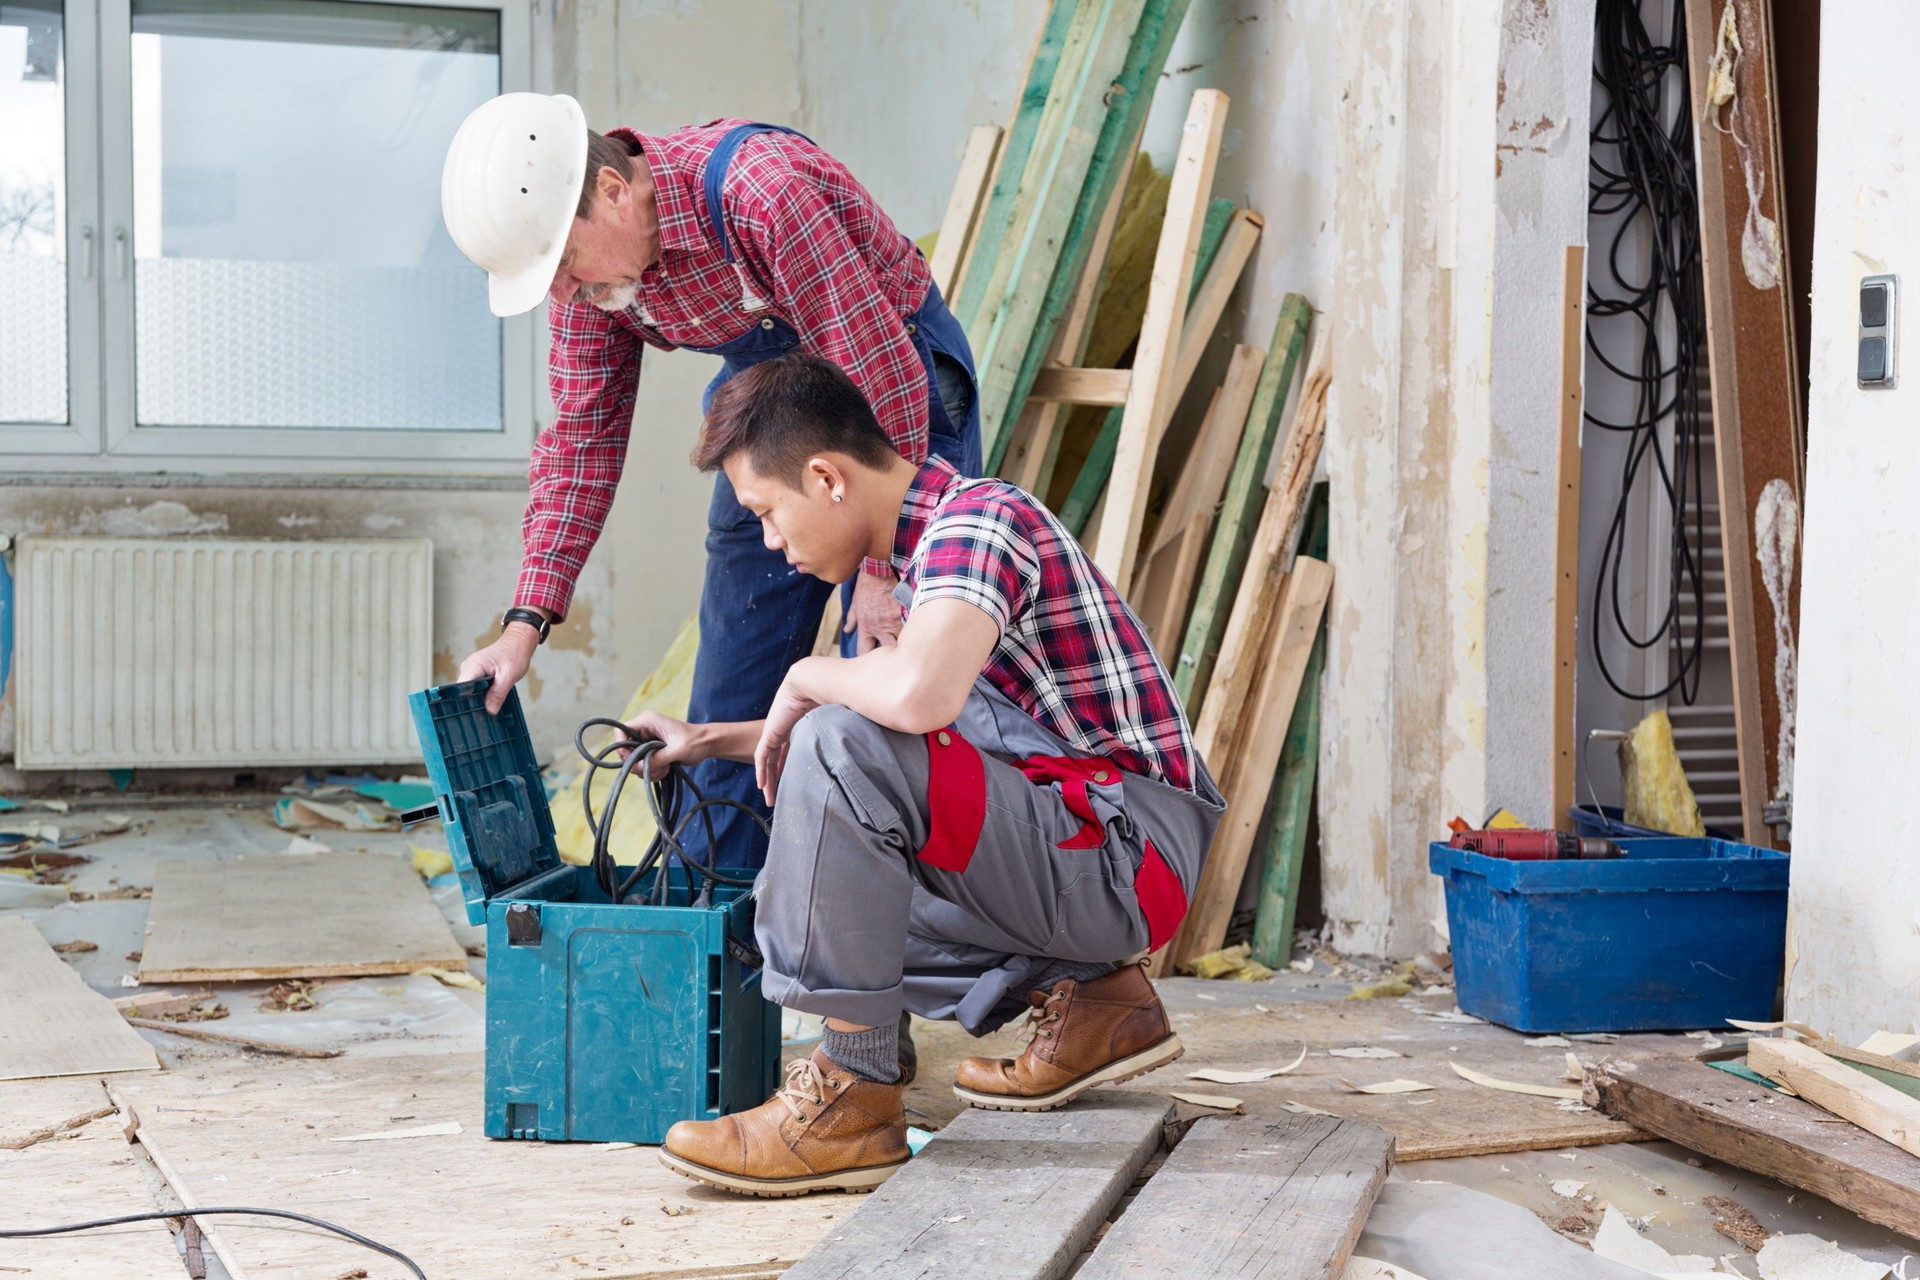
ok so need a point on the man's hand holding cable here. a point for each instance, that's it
(689, 744)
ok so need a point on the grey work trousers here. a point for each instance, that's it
(855, 925)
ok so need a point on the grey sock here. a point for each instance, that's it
(873, 1054)
(1058, 971)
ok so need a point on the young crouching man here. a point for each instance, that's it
(980, 819)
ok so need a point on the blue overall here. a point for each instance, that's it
(757, 615)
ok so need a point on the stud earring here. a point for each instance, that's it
(837, 497)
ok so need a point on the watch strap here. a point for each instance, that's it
(538, 621)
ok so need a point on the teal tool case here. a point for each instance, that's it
(606, 1022)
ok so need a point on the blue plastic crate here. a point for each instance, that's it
(605, 1022)
(1677, 933)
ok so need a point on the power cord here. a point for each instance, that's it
(665, 796)
(356, 1237)
(1652, 184)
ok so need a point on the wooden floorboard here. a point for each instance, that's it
(1281, 1199)
(1011, 1195)
(283, 915)
(1756, 1129)
(51, 1022)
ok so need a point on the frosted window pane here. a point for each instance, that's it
(291, 268)
(33, 198)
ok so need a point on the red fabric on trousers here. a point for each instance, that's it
(956, 801)
(1162, 901)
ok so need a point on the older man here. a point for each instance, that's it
(741, 240)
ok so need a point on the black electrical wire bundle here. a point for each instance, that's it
(1645, 132)
(97, 1223)
(626, 755)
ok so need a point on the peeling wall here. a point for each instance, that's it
(1541, 125)
(1853, 961)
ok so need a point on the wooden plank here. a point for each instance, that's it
(1566, 578)
(1131, 95)
(1765, 1132)
(1156, 356)
(1233, 533)
(1853, 1095)
(1005, 1194)
(1290, 810)
(1216, 727)
(259, 1133)
(51, 1022)
(1296, 623)
(1209, 301)
(1009, 311)
(1036, 441)
(1203, 476)
(1758, 434)
(1162, 604)
(1010, 166)
(1282, 1199)
(1083, 386)
(88, 1172)
(283, 916)
(195, 1032)
(1090, 485)
(963, 206)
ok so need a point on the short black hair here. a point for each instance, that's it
(784, 411)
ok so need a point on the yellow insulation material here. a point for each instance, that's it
(1657, 792)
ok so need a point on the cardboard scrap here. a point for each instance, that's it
(1359, 1268)
(299, 813)
(1219, 1076)
(452, 979)
(1811, 1258)
(1388, 1086)
(1218, 1102)
(448, 1129)
(1514, 1086)
(1548, 1042)
(1617, 1241)
(1365, 1051)
(1302, 1109)
(1569, 1188)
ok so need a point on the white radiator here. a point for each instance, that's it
(162, 653)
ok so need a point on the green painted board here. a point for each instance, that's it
(1077, 109)
(1132, 96)
(1291, 805)
(1240, 505)
(1094, 472)
(1014, 151)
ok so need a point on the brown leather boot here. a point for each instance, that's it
(825, 1129)
(1084, 1033)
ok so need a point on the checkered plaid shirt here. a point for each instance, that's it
(811, 246)
(1071, 653)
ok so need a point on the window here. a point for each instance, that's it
(262, 277)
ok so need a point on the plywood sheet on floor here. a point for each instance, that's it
(51, 1022)
(1453, 1118)
(292, 915)
(87, 1171)
(461, 1205)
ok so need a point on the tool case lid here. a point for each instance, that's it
(492, 800)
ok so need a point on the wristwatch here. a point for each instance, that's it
(532, 617)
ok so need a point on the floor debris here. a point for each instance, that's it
(1388, 1086)
(1514, 1086)
(1806, 1257)
(445, 1130)
(1616, 1239)
(1216, 1101)
(1737, 1223)
(1219, 1076)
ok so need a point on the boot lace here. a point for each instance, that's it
(804, 1084)
(1042, 1017)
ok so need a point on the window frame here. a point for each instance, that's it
(102, 434)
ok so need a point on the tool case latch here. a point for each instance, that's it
(523, 924)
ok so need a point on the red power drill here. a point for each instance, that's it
(1528, 845)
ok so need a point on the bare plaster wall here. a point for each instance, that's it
(1853, 961)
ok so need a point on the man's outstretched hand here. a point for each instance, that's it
(506, 660)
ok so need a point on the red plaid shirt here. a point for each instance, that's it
(1071, 654)
(817, 251)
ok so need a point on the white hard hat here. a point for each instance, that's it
(510, 189)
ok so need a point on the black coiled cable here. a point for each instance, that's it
(624, 756)
(1654, 188)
